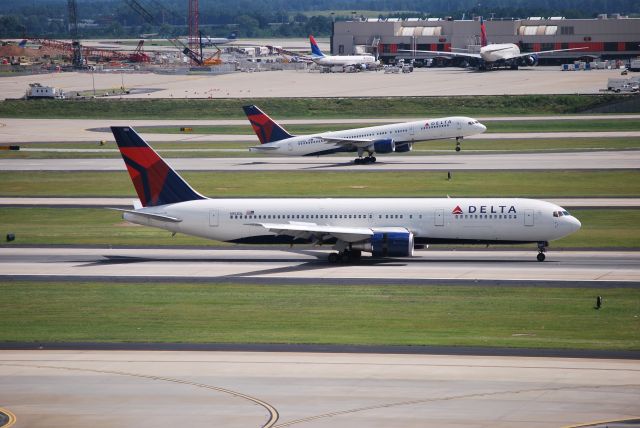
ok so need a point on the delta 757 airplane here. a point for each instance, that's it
(390, 227)
(398, 137)
(496, 54)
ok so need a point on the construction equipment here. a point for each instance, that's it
(139, 55)
(149, 18)
(76, 59)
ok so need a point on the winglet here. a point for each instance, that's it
(155, 182)
(315, 49)
(267, 130)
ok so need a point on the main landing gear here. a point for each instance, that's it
(458, 141)
(542, 248)
(364, 161)
(345, 256)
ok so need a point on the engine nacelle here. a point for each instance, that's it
(531, 60)
(388, 244)
(384, 146)
(401, 148)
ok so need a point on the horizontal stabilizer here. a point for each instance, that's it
(152, 216)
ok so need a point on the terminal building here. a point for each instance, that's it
(607, 37)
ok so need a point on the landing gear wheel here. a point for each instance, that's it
(373, 159)
(358, 161)
(541, 257)
(458, 144)
(457, 148)
(334, 258)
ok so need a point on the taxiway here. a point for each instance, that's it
(80, 388)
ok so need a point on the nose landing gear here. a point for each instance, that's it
(458, 141)
(542, 248)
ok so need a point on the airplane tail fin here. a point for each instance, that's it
(267, 130)
(155, 182)
(483, 33)
(315, 49)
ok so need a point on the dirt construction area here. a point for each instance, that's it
(290, 83)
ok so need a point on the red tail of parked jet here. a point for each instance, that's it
(156, 182)
(483, 33)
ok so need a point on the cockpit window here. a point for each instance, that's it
(565, 213)
(560, 213)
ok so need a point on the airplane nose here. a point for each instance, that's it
(575, 224)
(482, 127)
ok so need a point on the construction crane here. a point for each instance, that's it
(196, 58)
(73, 30)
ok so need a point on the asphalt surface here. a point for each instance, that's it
(304, 264)
(301, 83)
(74, 388)
(454, 162)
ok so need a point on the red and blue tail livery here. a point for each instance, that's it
(265, 128)
(315, 49)
(156, 182)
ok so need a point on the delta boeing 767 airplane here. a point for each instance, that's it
(396, 137)
(390, 227)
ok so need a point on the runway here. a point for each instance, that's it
(305, 264)
(455, 162)
(23, 131)
(238, 389)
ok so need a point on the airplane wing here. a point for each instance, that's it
(445, 54)
(356, 142)
(544, 52)
(309, 230)
(290, 54)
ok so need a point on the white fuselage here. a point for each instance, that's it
(408, 132)
(431, 220)
(343, 60)
(499, 52)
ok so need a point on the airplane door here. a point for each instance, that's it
(412, 133)
(528, 217)
(439, 217)
(290, 146)
(214, 220)
(459, 124)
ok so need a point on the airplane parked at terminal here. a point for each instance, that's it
(361, 61)
(347, 62)
(398, 137)
(496, 55)
(391, 227)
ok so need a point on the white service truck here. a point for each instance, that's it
(622, 85)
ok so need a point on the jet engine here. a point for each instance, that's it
(401, 148)
(387, 244)
(531, 60)
(384, 146)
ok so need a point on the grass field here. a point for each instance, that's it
(336, 184)
(388, 315)
(601, 228)
(308, 107)
(492, 126)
